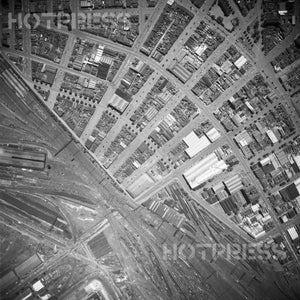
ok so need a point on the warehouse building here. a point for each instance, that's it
(26, 295)
(293, 233)
(140, 185)
(181, 72)
(8, 280)
(167, 213)
(213, 134)
(204, 170)
(291, 192)
(243, 138)
(99, 245)
(28, 265)
(118, 103)
(195, 144)
(234, 184)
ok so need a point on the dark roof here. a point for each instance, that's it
(103, 70)
(28, 265)
(268, 168)
(212, 200)
(229, 205)
(123, 95)
(109, 52)
(8, 279)
(25, 294)
(289, 193)
(99, 245)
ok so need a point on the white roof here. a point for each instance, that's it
(140, 185)
(218, 186)
(243, 142)
(226, 67)
(210, 159)
(97, 58)
(139, 65)
(123, 145)
(297, 181)
(203, 170)
(266, 218)
(37, 286)
(234, 183)
(274, 161)
(243, 137)
(232, 179)
(297, 160)
(165, 96)
(255, 207)
(93, 286)
(91, 138)
(240, 62)
(293, 233)
(27, 296)
(272, 136)
(195, 143)
(257, 232)
(191, 138)
(213, 134)
(218, 69)
(201, 144)
(249, 106)
(170, 120)
(211, 172)
(201, 49)
(297, 184)
(118, 103)
(265, 161)
(136, 164)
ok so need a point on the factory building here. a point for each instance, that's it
(204, 170)
(234, 184)
(213, 134)
(140, 185)
(195, 144)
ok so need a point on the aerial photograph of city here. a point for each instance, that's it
(150, 149)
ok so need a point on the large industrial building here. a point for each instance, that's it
(141, 184)
(195, 144)
(204, 170)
